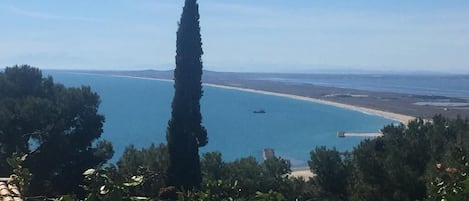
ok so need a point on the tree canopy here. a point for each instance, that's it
(424, 160)
(185, 132)
(54, 125)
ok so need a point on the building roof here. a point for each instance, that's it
(268, 153)
(9, 191)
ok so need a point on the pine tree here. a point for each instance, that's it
(185, 133)
(56, 126)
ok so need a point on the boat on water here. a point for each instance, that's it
(259, 111)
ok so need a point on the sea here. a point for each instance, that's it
(137, 112)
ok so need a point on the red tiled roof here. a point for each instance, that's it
(9, 191)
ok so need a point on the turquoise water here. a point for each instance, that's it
(137, 112)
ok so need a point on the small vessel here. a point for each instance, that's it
(259, 111)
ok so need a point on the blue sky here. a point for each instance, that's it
(242, 35)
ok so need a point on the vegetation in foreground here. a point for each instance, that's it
(57, 127)
(47, 133)
(426, 160)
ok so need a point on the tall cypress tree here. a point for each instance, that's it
(185, 133)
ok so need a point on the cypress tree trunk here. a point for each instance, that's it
(185, 133)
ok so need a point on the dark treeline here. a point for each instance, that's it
(426, 160)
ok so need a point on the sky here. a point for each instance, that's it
(242, 35)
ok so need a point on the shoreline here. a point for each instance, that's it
(297, 172)
(301, 172)
(399, 107)
(388, 115)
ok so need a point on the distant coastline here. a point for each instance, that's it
(317, 94)
(397, 106)
(389, 115)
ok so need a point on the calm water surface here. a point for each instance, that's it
(137, 112)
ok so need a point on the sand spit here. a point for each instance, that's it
(389, 115)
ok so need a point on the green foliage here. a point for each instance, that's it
(299, 189)
(185, 133)
(392, 167)
(269, 196)
(151, 163)
(332, 172)
(189, 196)
(102, 185)
(21, 176)
(56, 126)
(402, 164)
(67, 198)
(276, 168)
(420, 161)
(103, 150)
(248, 172)
(221, 190)
(450, 180)
(246, 177)
(212, 166)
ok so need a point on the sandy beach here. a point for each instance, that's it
(397, 106)
(303, 172)
(389, 115)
